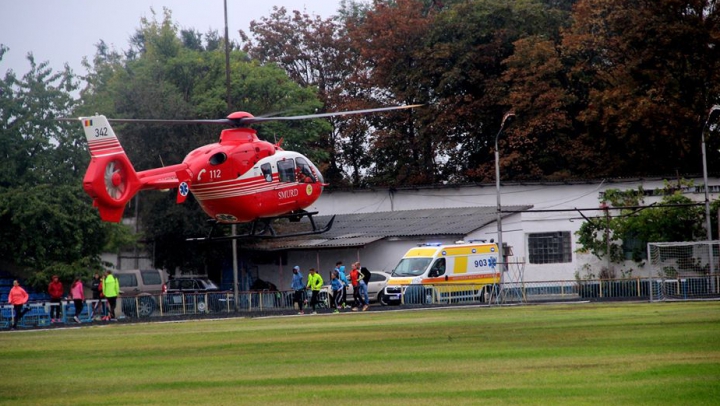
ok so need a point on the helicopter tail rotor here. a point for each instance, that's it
(110, 179)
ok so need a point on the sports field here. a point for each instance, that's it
(578, 354)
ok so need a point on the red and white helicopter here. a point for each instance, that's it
(240, 179)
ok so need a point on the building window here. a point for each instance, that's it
(549, 248)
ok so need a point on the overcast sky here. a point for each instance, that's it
(61, 31)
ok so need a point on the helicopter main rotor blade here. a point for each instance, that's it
(245, 121)
(322, 115)
(222, 121)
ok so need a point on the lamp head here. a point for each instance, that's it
(511, 113)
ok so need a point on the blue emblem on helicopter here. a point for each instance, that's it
(183, 189)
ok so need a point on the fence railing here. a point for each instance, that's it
(191, 304)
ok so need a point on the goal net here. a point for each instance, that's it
(685, 269)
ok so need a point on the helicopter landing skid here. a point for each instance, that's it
(262, 228)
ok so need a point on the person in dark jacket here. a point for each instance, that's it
(96, 288)
(363, 286)
(299, 288)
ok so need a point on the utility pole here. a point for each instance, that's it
(501, 254)
(236, 293)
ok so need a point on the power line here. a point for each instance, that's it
(603, 208)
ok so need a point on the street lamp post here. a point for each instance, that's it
(705, 179)
(707, 193)
(497, 188)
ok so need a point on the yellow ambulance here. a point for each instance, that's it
(437, 273)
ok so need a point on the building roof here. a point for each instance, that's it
(360, 229)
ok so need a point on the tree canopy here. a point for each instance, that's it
(170, 73)
(47, 224)
(600, 88)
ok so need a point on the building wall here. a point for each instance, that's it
(385, 254)
(516, 228)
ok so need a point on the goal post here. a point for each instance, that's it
(685, 269)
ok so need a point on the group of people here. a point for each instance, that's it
(102, 288)
(358, 278)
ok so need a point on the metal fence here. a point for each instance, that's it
(223, 303)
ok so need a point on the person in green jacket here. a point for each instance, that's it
(315, 282)
(111, 289)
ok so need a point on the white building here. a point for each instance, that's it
(539, 224)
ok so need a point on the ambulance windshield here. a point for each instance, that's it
(411, 266)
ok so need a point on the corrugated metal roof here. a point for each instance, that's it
(360, 229)
(313, 242)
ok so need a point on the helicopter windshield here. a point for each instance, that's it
(317, 173)
(411, 267)
(305, 174)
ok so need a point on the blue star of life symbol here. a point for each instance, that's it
(492, 262)
(184, 189)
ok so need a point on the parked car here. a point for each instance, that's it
(376, 287)
(194, 294)
(191, 284)
(139, 289)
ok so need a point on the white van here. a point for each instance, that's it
(433, 273)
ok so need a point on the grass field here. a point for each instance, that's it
(579, 354)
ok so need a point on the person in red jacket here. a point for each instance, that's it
(355, 276)
(17, 297)
(56, 293)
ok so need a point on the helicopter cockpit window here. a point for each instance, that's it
(218, 158)
(305, 174)
(266, 171)
(286, 170)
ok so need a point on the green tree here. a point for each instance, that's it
(172, 74)
(51, 229)
(450, 55)
(389, 38)
(317, 53)
(47, 224)
(467, 69)
(35, 148)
